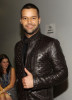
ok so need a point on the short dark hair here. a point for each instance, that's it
(29, 6)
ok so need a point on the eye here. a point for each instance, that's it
(24, 18)
(34, 18)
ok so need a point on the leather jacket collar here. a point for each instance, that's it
(31, 39)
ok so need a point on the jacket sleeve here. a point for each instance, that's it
(17, 58)
(60, 71)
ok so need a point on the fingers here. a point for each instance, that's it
(23, 82)
(27, 72)
(27, 81)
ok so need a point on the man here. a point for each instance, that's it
(40, 63)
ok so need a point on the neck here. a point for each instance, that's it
(4, 71)
(28, 36)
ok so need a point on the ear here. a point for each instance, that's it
(20, 21)
(39, 20)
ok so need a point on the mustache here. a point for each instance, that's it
(30, 24)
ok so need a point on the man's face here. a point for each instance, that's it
(30, 20)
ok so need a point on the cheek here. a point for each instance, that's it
(24, 24)
(35, 22)
(2, 64)
(5, 64)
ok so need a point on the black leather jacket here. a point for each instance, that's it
(45, 61)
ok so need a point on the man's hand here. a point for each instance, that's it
(28, 80)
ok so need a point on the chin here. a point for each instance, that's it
(29, 32)
(32, 31)
(6, 67)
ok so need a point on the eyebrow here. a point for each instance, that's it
(31, 16)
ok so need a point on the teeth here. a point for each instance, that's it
(30, 26)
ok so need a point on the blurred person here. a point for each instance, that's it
(7, 79)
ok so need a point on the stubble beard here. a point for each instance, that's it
(33, 32)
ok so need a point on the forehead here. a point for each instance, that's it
(29, 12)
(4, 60)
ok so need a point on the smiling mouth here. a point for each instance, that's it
(30, 26)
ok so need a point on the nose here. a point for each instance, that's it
(29, 20)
